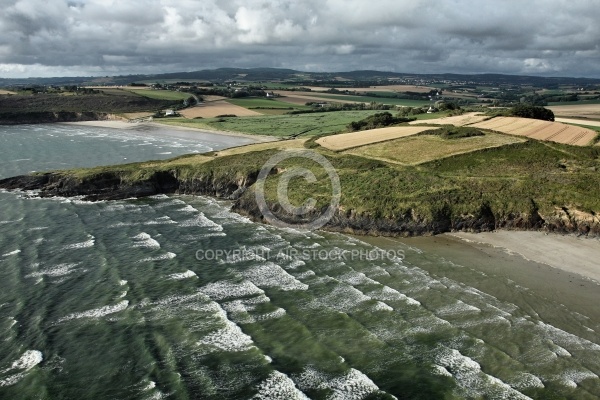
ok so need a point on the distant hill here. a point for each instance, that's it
(302, 77)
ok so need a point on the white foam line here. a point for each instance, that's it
(38, 228)
(226, 289)
(388, 294)
(97, 312)
(55, 271)
(27, 361)
(526, 380)
(457, 308)
(183, 275)
(202, 222)
(11, 222)
(278, 386)
(12, 253)
(166, 220)
(567, 340)
(82, 245)
(353, 385)
(272, 275)
(188, 209)
(341, 298)
(380, 306)
(357, 278)
(167, 256)
(146, 241)
(230, 338)
(469, 376)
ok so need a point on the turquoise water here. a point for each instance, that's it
(176, 297)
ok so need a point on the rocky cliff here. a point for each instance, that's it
(111, 186)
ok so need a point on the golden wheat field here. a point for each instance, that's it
(587, 122)
(215, 108)
(6, 92)
(541, 130)
(457, 120)
(577, 110)
(350, 140)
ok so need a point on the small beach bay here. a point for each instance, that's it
(131, 299)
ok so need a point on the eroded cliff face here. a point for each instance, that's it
(413, 224)
(111, 186)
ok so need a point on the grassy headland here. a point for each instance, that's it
(522, 184)
(56, 107)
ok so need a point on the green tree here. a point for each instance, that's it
(529, 111)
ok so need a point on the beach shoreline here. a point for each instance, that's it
(488, 261)
(569, 253)
(180, 132)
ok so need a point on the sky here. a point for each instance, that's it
(47, 38)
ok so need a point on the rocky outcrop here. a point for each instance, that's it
(111, 186)
(103, 186)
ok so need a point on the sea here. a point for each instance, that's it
(177, 297)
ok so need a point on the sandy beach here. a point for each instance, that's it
(529, 269)
(179, 132)
(577, 255)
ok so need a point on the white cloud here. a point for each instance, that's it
(68, 37)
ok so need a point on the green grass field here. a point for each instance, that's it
(253, 103)
(517, 178)
(160, 94)
(278, 125)
(367, 99)
(424, 148)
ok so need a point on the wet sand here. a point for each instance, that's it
(558, 294)
(576, 255)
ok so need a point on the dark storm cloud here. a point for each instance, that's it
(60, 37)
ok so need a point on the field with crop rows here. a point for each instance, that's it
(541, 130)
(350, 140)
(457, 120)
